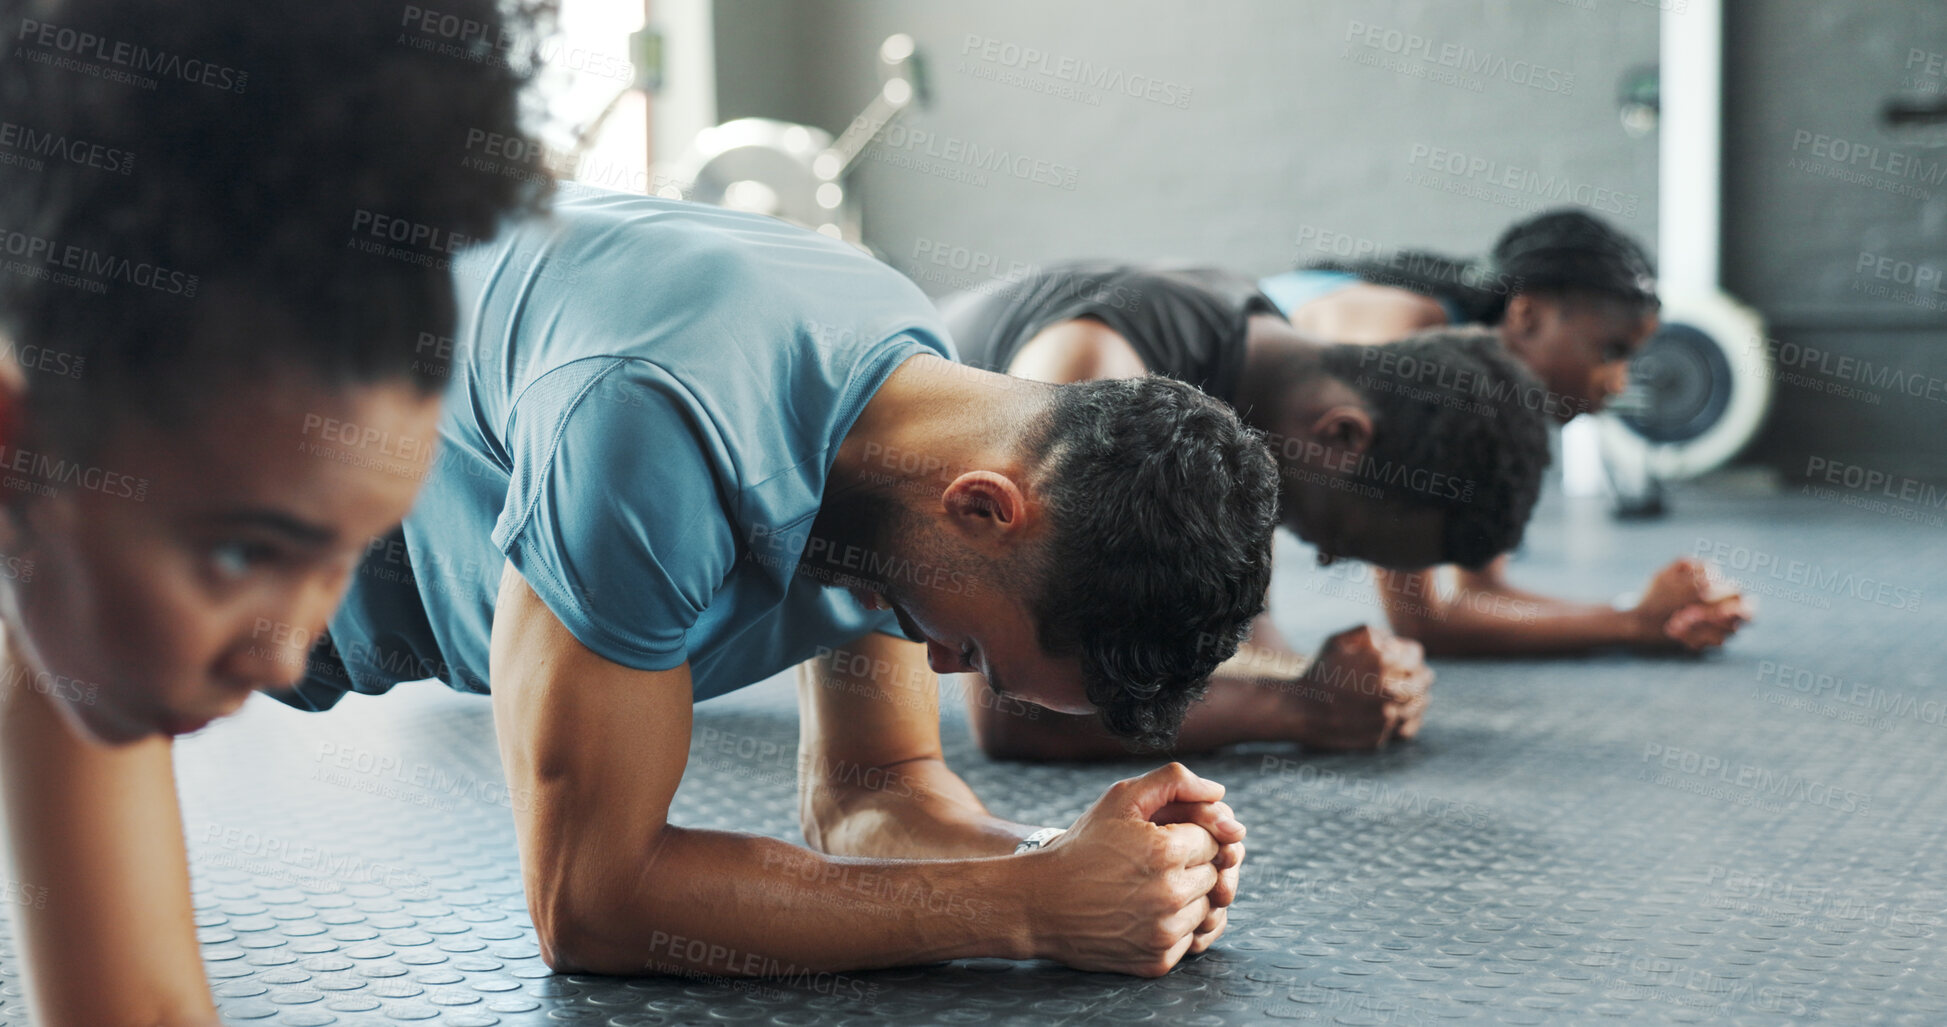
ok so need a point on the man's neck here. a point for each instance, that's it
(931, 421)
(1281, 368)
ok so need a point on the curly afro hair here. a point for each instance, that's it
(1459, 426)
(189, 192)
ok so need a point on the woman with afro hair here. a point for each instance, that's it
(225, 230)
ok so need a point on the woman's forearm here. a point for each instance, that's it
(110, 937)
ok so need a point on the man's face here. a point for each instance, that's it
(978, 628)
(1344, 525)
(159, 612)
(1580, 347)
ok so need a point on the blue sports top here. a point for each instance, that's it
(647, 398)
(1293, 289)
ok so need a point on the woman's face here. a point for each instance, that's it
(152, 589)
(1579, 346)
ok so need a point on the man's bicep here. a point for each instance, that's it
(870, 702)
(587, 744)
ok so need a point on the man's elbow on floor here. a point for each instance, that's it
(575, 936)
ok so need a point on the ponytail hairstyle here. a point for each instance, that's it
(1556, 253)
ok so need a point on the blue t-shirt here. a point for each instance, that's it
(1293, 289)
(647, 398)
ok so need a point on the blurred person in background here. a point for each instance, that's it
(1573, 299)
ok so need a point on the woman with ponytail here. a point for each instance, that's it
(1570, 297)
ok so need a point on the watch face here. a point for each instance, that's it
(1038, 839)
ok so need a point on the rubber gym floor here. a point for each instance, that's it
(1751, 837)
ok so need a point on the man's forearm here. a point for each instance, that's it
(1246, 702)
(735, 905)
(1480, 622)
(919, 809)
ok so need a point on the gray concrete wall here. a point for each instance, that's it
(1223, 131)
(1260, 130)
(1836, 227)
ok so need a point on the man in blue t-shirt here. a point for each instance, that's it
(686, 449)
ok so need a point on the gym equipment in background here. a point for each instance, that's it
(797, 172)
(1698, 392)
(1701, 386)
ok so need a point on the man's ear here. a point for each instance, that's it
(985, 504)
(1520, 321)
(1344, 428)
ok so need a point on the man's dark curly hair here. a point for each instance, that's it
(1163, 506)
(185, 188)
(1459, 426)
